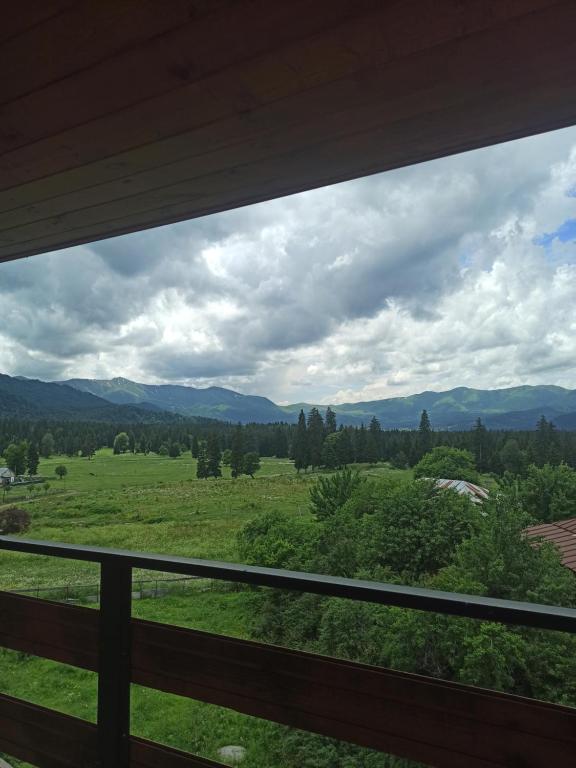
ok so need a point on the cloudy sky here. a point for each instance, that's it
(460, 271)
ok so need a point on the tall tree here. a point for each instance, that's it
(344, 448)
(360, 444)
(300, 444)
(330, 421)
(214, 456)
(237, 455)
(195, 447)
(480, 445)
(15, 456)
(424, 442)
(374, 445)
(251, 463)
(47, 445)
(32, 459)
(546, 443)
(202, 463)
(315, 434)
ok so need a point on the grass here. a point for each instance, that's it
(150, 503)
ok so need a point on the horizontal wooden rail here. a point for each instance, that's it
(439, 723)
(52, 740)
(472, 606)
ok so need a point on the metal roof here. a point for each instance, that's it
(476, 492)
(562, 533)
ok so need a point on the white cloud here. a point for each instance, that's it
(426, 277)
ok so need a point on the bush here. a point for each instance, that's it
(448, 463)
(14, 520)
(330, 493)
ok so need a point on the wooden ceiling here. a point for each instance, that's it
(118, 115)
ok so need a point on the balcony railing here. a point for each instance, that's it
(438, 723)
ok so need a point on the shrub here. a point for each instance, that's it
(14, 520)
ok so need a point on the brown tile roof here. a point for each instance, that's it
(562, 533)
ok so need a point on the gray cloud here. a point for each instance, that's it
(267, 298)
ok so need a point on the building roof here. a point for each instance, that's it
(160, 112)
(476, 493)
(6, 471)
(562, 534)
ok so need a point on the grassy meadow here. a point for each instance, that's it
(150, 503)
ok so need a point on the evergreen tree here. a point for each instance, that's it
(360, 444)
(374, 446)
(280, 443)
(480, 445)
(33, 459)
(344, 448)
(174, 450)
(300, 444)
(546, 443)
(237, 456)
(424, 442)
(195, 447)
(214, 456)
(330, 421)
(315, 435)
(202, 464)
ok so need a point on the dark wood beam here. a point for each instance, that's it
(152, 118)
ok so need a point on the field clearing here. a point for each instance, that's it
(152, 503)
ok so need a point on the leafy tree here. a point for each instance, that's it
(424, 441)
(548, 493)
(513, 459)
(202, 463)
(399, 460)
(14, 520)
(60, 471)
(237, 449)
(164, 450)
(88, 448)
(47, 445)
(16, 457)
(174, 450)
(226, 457)
(330, 421)
(328, 494)
(450, 463)
(214, 456)
(32, 459)
(251, 463)
(121, 443)
(315, 437)
(300, 444)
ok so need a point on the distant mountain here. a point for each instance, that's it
(456, 409)
(33, 399)
(212, 402)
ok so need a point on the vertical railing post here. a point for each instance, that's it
(114, 665)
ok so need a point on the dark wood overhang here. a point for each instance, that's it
(118, 115)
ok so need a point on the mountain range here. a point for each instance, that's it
(122, 400)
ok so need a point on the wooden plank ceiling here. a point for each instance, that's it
(118, 115)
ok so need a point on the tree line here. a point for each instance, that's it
(316, 440)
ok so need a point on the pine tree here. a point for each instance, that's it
(32, 459)
(195, 446)
(480, 445)
(424, 442)
(47, 445)
(315, 435)
(214, 456)
(330, 421)
(360, 444)
(300, 444)
(237, 455)
(202, 465)
(344, 448)
(374, 447)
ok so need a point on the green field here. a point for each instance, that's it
(150, 503)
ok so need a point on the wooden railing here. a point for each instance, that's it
(434, 722)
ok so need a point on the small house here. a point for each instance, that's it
(6, 476)
(476, 493)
